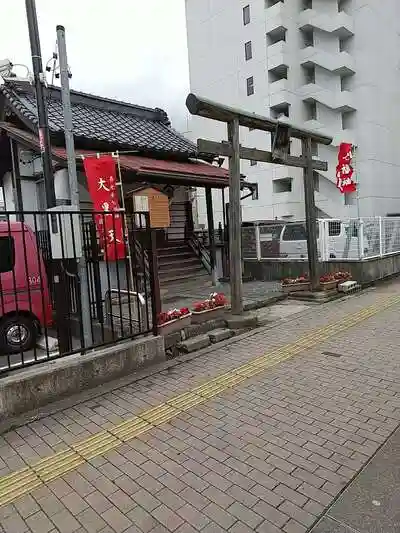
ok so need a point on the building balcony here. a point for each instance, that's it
(279, 93)
(338, 136)
(275, 17)
(340, 24)
(341, 63)
(277, 55)
(340, 101)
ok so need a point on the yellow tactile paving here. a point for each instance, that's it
(24, 481)
(130, 429)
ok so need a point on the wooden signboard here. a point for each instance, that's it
(157, 205)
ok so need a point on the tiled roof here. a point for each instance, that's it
(101, 119)
(151, 170)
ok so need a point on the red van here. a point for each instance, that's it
(25, 303)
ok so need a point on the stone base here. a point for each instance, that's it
(192, 345)
(317, 296)
(348, 286)
(219, 335)
(242, 321)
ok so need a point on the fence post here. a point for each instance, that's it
(380, 237)
(258, 243)
(323, 241)
(156, 305)
(361, 239)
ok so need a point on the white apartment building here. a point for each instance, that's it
(327, 65)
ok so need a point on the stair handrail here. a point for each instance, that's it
(200, 250)
(140, 252)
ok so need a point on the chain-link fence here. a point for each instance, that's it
(337, 239)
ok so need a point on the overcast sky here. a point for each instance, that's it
(133, 50)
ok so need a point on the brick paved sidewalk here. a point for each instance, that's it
(267, 455)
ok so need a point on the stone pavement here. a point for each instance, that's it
(257, 435)
(253, 293)
(371, 504)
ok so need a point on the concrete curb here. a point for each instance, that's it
(39, 385)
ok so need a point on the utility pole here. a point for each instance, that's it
(67, 112)
(64, 339)
(43, 127)
(73, 180)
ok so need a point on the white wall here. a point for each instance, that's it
(218, 70)
(376, 51)
(29, 195)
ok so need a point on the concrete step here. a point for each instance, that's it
(178, 260)
(194, 344)
(180, 266)
(218, 335)
(190, 277)
(174, 249)
(181, 273)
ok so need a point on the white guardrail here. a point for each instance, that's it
(353, 239)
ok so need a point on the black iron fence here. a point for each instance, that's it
(72, 281)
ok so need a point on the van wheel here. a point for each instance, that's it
(17, 333)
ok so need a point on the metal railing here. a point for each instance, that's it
(352, 239)
(124, 318)
(201, 249)
(73, 281)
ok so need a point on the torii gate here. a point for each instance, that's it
(281, 133)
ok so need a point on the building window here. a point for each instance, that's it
(306, 4)
(248, 50)
(246, 15)
(310, 109)
(253, 163)
(308, 38)
(316, 181)
(250, 86)
(282, 185)
(309, 74)
(270, 3)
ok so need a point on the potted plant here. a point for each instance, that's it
(209, 309)
(173, 320)
(343, 276)
(301, 283)
(328, 281)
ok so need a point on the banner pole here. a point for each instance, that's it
(357, 181)
(129, 255)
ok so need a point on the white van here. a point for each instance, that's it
(336, 240)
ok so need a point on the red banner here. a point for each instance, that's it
(344, 170)
(102, 184)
